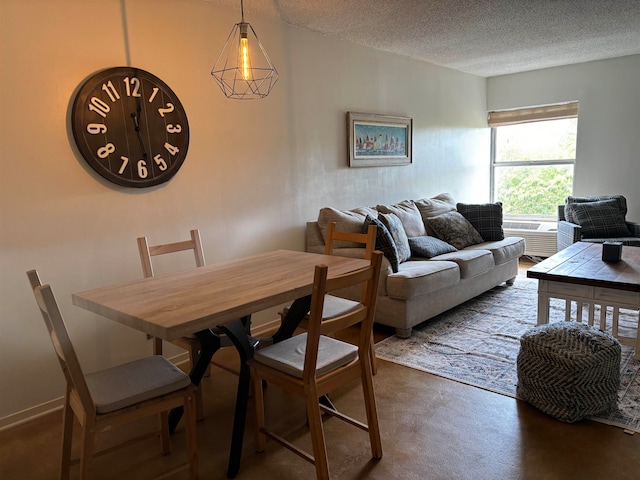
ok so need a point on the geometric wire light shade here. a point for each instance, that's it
(243, 71)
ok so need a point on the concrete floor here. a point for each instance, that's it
(432, 428)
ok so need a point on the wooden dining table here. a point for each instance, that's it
(221, 295)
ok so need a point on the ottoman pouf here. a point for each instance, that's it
(569, 370)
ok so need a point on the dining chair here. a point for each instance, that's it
(115, 396)
(334, 304)
(313, 364)
(189, 342)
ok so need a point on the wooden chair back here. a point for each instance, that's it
(367, 239)
(76, 384)
(363, 315)
(147, 251)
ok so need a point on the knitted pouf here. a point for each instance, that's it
(569, 370)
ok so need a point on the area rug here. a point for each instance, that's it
(477, 343)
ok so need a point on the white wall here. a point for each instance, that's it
(255, 173)
(608, 141)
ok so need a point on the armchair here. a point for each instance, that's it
(596, 219)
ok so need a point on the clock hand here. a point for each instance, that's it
(136, 123)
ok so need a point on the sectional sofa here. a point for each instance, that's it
(438, 254)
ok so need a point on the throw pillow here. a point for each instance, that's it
(600, 219)
(384, 241)
(432, 207)
(454, 229)
(346, 221)
(486, 218)
(409, 215)
(568, 211)
(428, 247)
(394, 225)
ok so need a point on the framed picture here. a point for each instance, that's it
(379, 140)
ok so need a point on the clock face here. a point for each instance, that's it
(130, 127)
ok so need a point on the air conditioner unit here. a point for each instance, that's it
(540, 237)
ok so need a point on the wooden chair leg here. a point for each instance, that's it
(372, 412)
(190, 432)
(258, 402)
(86, 449)
(314, 416)
(372, 356)
(157, 346)
(165, 441)
(67, 438)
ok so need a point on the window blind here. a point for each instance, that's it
(500, 118)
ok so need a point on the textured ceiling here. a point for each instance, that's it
(482, 37)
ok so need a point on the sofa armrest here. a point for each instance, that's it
(634, 228)
(568, 234)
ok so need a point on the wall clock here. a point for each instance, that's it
(130, 127)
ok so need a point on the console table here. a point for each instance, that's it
(578, 274)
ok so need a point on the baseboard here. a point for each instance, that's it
(51, 406)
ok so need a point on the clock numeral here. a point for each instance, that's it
(168, 109)
(162, 165)
(111, 91)
(153, 94)
(96, 128)
(104, 152)
(171, 149)
(125, 162)
(133, 86)
(142, 169)
(171, 128)
(98, 106)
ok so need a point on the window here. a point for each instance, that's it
(533, 152)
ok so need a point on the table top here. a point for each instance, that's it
(581, 263)
(173, 305)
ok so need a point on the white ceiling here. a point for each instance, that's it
(482, 37)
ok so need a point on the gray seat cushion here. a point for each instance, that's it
(288, 355)
(335, 306)
(125, 385)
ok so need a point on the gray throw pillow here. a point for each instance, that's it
(600, 219)
(394, 225)
(568, 208)
(428, 247)
(384, 241)
(486, 218)
(454, 229)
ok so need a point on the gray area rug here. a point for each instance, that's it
(477, 343)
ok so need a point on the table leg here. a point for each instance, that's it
(543, 302)
(210, 344)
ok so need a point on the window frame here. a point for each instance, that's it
(502, 118)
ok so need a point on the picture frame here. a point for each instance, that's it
(379, 140)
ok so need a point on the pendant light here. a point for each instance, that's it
(243, 69)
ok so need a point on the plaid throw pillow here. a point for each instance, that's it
(486, 218)
(600, 219)
(384, 241)
(568, 210)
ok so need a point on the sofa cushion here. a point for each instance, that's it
(486, 218)
(409, 215)
(470, 262)
(600, 219)
(432, 207)
(454, 229)
(502, 250)
(394, 225)
(421, 277)
(426, 246)
(568, 212)
(384, 240)
(346, 221)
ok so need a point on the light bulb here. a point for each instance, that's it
(244, 53)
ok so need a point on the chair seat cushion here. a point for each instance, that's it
(124, 385)
(288, 355)
(336, 306)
